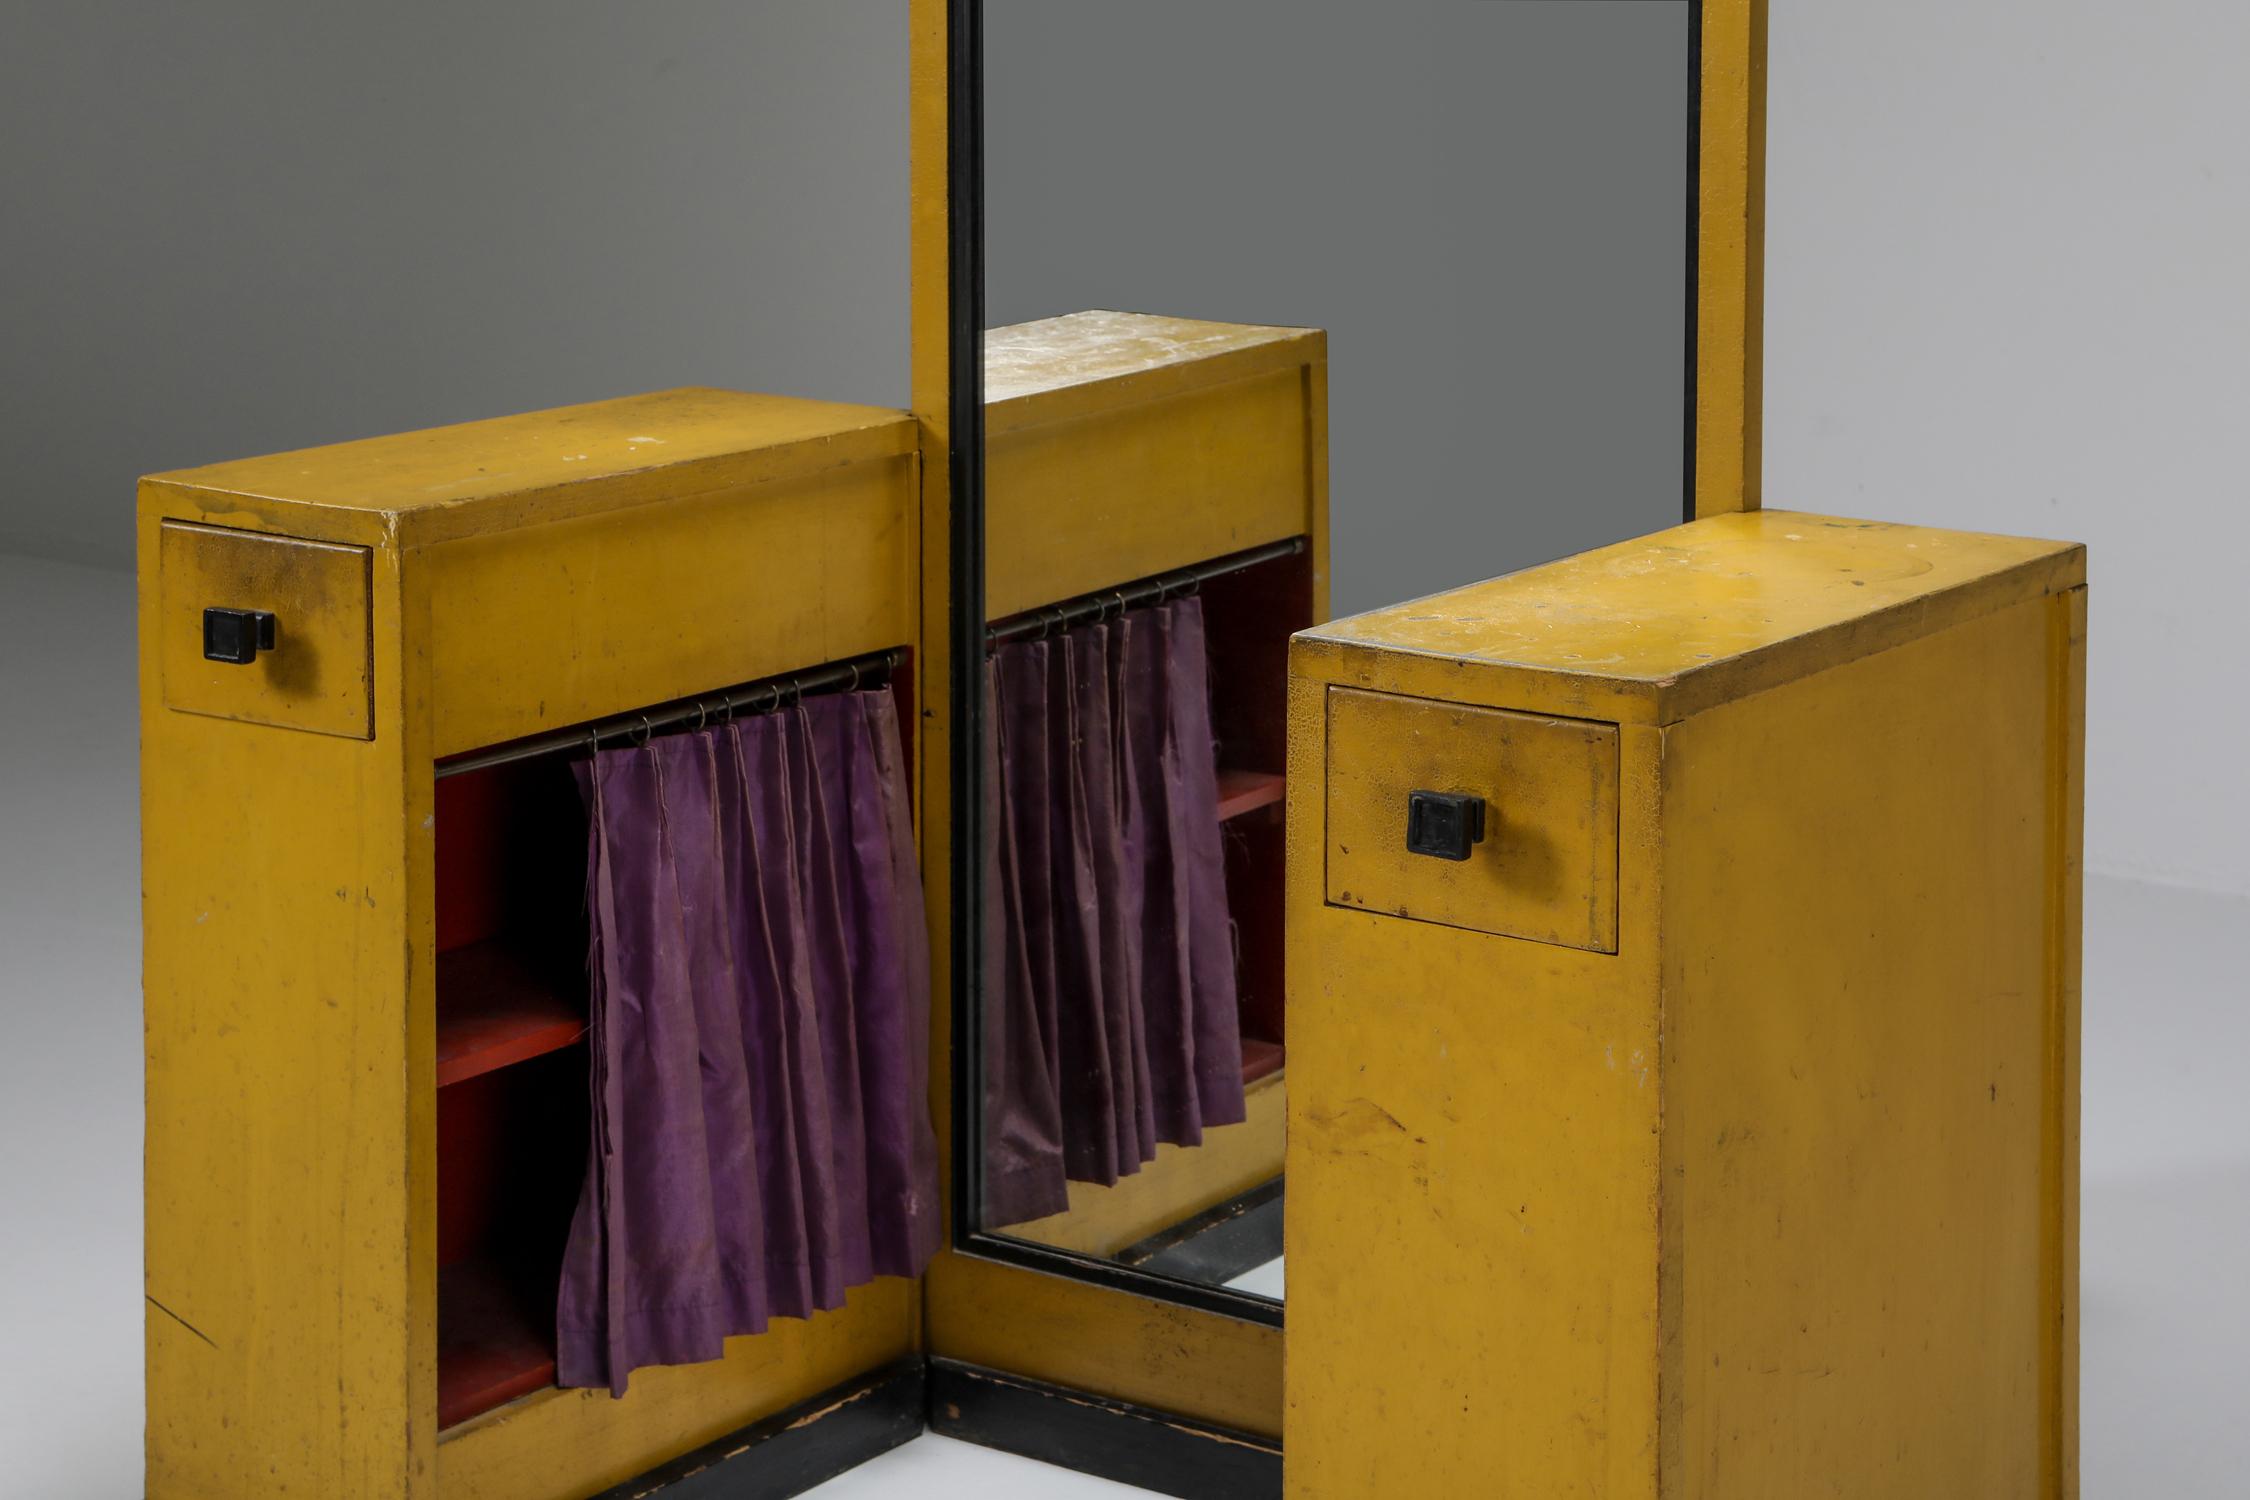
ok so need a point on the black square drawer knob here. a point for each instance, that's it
(1444, 825)
(236, 636)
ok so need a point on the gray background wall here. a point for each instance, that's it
(240, 226)
(2008, 286)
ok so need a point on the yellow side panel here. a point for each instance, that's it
(559, 1445)
(1077, 505)
(1472, 1207)
(290, 1346)
(1870, 1036)
(1089, 1338)
(553, 625)
(1181, 1182)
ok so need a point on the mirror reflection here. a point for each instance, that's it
(1411, 292)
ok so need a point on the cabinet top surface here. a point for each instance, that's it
(441, 468)
(1726, 604)
(1083, 348)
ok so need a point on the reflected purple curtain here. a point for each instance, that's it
(759, 1036)
(1110, 1019)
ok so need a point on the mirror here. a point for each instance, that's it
(1411, 292)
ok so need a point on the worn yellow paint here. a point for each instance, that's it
(1779, 1198)
(1657, 628)
(929, 267)
(1182, 1181)
(289, 899)
(1122, 445)
(315, 677)
(1547, 866)
(559, 1443)
(1863, 1007)
(564, 613)
(1730, 281)
(290, 1330)
(1129, 1348)
(506, 473)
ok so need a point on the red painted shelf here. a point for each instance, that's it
(1246, 791)
(1259, 1058)
(495, 1009)
(495, 1342)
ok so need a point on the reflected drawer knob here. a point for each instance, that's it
(1444, 825)
(236, 636)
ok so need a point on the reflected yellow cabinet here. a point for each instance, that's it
(1124, 447)
(1707, 1128)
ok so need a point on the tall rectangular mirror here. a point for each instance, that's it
(1289, 307)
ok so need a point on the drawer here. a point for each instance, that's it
(1091, 501)
(1545, 868)
(316, 676)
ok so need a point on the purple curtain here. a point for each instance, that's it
(1110, 1015)
(760, 1036)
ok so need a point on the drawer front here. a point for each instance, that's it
(1545, 868)
(1087, 503)
(316, 676)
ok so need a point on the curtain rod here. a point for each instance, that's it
(639, 726)
(1053, 617)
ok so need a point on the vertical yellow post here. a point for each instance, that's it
(930, 226)
(1730, 256)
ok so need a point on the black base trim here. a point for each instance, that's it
(1218, 1244)
(1109, 1439)
(790, 1452)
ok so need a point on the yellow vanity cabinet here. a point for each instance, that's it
(318, 630)
(1707, 1128)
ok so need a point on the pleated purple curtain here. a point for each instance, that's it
(1110, 1020)
(759, 1037)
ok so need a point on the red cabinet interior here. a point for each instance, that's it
(1248, 617)
(511, 1073)
(512, 1077)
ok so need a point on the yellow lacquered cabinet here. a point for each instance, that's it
(1768, 1189)
(432, 594)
